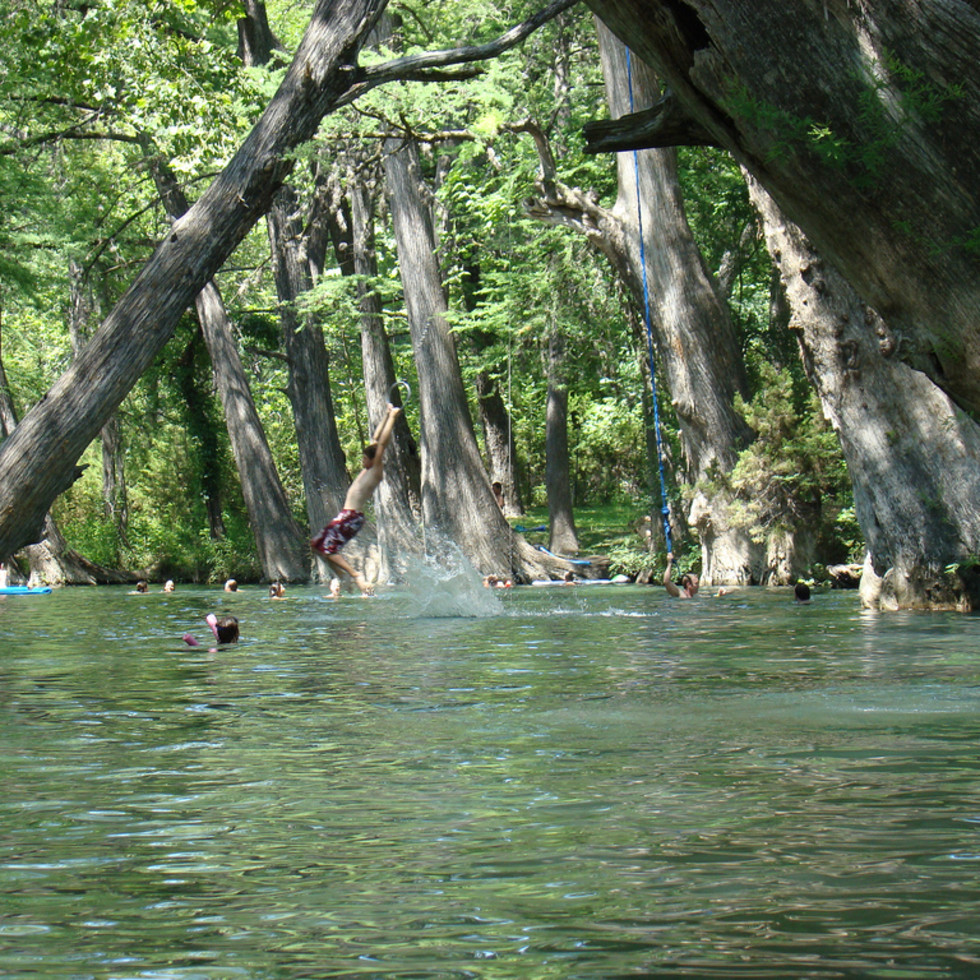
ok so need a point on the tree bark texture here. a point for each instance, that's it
(83, 310)
(38, 461)
(321, 457)
(457, 502)
(862, 121)
(322, 463)
(279, 540)
(693, 334)
(498, 437)
(256, 42)
(912, 453)
(50, 561)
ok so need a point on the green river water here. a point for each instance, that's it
(448, 781)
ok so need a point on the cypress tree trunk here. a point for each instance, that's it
(321, 457)
(280, 542)
(862, 121)
(277, 535)
(51, 560)
(499, 441)
(911, 452)
(398, 500)
(83, 311)
(693, 334)
(457, 502)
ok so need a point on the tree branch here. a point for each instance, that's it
(549, 169)
(417, 67)
(666, 123)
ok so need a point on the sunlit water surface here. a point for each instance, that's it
(444, 781)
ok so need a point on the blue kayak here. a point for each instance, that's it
(25, 590)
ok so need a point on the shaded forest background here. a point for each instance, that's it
(92, 99)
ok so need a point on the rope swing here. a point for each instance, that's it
(664, 507)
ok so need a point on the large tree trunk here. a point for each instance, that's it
(38, 461)
(498, 438)
(279, 540)
(692, 331)
(398, 500)
(562, 537)
(277, 536)
(321, 457)
(912, 454)
(457, 501)
(862, 121)
(694, 335)
(50, 561)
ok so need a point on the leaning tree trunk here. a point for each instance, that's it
(862, 120)
(562, 537)
(911, 453)
(280, 542)
(457, 502)
(277, 535)
(39, 460)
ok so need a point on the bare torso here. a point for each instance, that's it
(364, 485)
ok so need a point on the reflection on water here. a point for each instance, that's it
(445, 781)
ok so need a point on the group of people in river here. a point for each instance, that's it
(351, 518)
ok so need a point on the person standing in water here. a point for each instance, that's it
(351, 517)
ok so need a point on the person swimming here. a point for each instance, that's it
(225, 629)
(686, 587)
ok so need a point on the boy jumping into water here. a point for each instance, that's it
(351, 518)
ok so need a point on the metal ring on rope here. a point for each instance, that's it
(395, 386)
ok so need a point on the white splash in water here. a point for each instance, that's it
(446, 587)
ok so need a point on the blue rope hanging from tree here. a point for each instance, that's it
(664, 507)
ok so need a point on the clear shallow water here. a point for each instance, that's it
(545, 782)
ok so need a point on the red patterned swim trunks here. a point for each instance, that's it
(338, 532)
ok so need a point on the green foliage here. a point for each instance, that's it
(847, 531)
(135, 78)
(793, 473)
